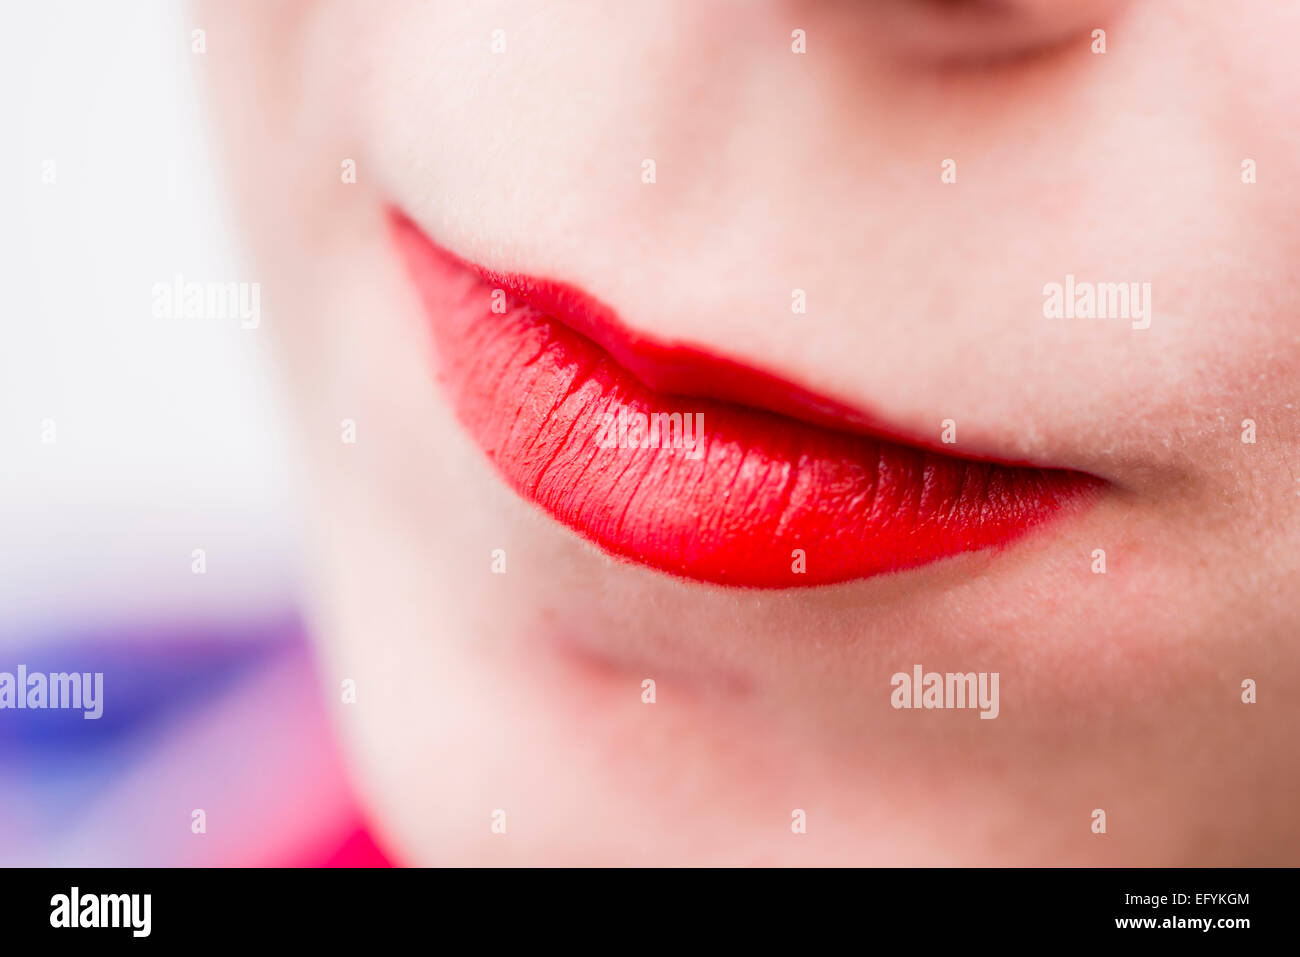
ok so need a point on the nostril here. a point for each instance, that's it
(981, 30)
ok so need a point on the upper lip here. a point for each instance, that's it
(793, 488)
(688, 371)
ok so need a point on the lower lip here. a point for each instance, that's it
(757, 498)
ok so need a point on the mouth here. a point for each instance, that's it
(697, 465)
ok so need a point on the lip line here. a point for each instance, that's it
(688, 371)
(790, 468)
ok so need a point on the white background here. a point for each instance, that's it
(168, 433)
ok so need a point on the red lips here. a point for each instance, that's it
(766, 494)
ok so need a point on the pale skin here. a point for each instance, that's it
(775, 170)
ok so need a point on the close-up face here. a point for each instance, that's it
(682, 384)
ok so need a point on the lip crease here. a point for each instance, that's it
(781, 488)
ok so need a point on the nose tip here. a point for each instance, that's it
(989, 29)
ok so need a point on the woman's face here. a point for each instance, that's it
(928, 175)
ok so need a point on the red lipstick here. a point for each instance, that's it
(694, 464)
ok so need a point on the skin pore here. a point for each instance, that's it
(522, 692)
